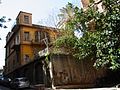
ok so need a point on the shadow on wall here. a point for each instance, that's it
(112, 79)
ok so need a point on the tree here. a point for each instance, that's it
(51, 21)
(66, 15)
(3, 21)
(101, 34)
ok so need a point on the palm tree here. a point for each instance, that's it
(67, 13)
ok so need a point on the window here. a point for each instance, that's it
(17, 40)
(41, 35)
(37, 36)
(26, 58)
(26, 19)
(26, 36)
(47, 36)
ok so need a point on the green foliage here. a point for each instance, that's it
(66, 41)
(66, 15)
(3, 21)
(101, 34)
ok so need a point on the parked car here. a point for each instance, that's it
(21, 82)
(5, 81)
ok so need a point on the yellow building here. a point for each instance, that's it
(24, 42)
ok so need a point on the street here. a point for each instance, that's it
(4, 88)
(7, 88)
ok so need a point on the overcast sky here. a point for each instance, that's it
(41, 10)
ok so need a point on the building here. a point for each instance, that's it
(26, 46)
(22, 46)
(97, 4)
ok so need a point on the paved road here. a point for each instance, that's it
(6, 88)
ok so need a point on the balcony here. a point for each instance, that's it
(41, 42)
(15, 46)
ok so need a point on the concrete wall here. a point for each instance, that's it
(67, 71)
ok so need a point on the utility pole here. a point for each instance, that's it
(50, 63)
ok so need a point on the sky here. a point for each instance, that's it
(42, 11)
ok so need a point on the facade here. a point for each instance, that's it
(97, 4)
(85, 3)
(23, 44)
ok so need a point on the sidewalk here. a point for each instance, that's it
(42, 87)
(90, 89)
